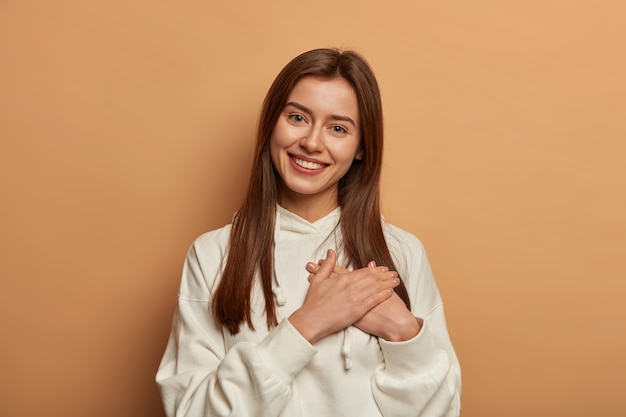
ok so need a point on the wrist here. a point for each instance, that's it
(406, 330)
(301, 322)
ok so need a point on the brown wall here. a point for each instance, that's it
(126, 131)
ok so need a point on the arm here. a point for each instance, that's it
(420, 375)
(198, 377)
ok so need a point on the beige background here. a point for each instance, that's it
(127, 129)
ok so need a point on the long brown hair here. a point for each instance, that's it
(251, 239)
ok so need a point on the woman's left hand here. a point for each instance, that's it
(390, 320)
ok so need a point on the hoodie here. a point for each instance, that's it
(206, 371)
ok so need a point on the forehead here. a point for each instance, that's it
(332, 95)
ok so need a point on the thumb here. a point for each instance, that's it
(326, 268)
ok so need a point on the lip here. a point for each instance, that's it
(303, 170)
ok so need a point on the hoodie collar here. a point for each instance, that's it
(290, 225)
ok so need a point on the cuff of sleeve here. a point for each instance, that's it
(405, 360)
(285, 351)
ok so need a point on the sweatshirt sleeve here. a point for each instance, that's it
(198, 377)
(420, 377)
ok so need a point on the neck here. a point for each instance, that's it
(309, 207)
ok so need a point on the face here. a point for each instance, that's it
(314, 142)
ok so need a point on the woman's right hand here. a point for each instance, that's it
(335, 301)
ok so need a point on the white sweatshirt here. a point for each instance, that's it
(206, 371)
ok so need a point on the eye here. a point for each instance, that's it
(297, 118)
(338, 129)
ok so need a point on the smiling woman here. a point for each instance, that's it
(309, 304)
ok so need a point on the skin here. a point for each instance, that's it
(315, 140)
(390, 319)
(319, 128)
(336, 302)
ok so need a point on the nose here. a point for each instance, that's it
(313, 141)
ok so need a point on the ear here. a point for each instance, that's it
(359, 154)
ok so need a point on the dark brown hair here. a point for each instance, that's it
(251, 239)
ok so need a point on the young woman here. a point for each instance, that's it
(310, 304)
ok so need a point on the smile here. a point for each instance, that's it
(307, 164)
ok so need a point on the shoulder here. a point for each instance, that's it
(210, 248)
(213, 241)
(407, 251)
(204, 263)
(403, 244)
(410, 257)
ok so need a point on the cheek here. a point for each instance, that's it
(278, 143)
(347, 152)
(280, 136)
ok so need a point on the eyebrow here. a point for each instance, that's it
(332, 116)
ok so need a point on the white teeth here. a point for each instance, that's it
(307, 164)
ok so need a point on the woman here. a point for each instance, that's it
(309, 304)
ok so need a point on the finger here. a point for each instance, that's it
(376, 298)
(312, 268)
(373, 272)
(372, 264)
(380, 281)
(326, 268)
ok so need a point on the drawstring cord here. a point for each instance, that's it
(278, 293)
(346, 350)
